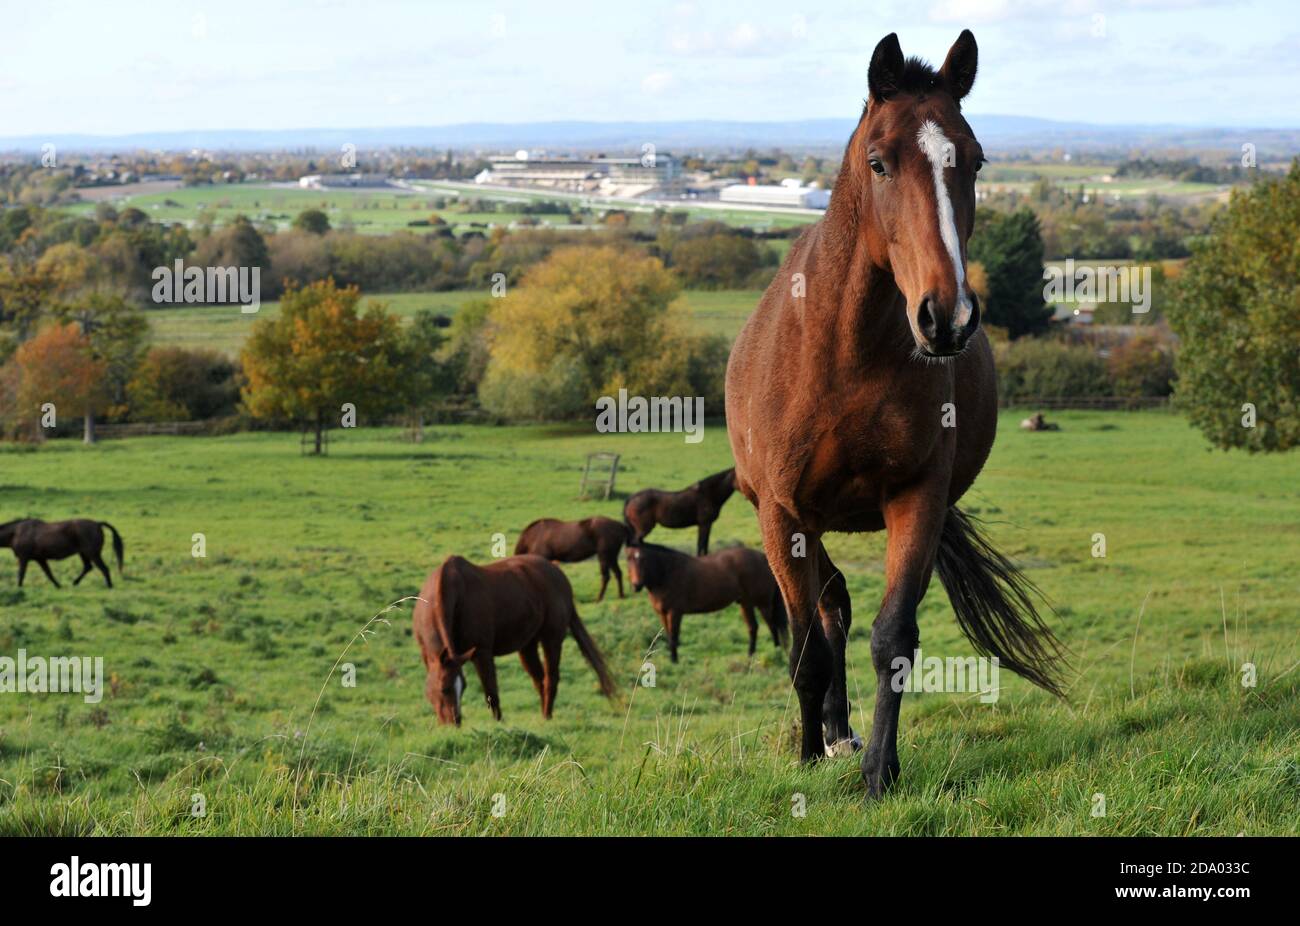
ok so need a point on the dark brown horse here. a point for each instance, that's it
(476, 613)
(574, 541)
(861, 396)
(34, 540)
(680, 584)
(698, 504)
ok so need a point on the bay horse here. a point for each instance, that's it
(574, 541)
(39, 541)
(698, 504)
(681, 584)
(476, 613)
(861, 396)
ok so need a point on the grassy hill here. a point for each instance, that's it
(221, 679)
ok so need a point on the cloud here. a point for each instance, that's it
(656, 82)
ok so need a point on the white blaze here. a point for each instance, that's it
(460, 687)
(937, 147)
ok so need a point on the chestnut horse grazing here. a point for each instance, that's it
(681, 584)
(698, 504)
(40, 541)
(476, 613)
(861, 396)
(574, 541)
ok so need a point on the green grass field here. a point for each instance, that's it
(221, 683)
(224, 327)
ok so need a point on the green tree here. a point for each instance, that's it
(313, 221)
(320, 353)
(1010, 248)
(1236, 309)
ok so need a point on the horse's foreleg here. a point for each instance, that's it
(45, 568)
(22, 571)
(487, 674)
(836, 616)
(674, 632)
(810, 662)
(913, 522)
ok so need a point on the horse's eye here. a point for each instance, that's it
(877, 165)
(979, 164)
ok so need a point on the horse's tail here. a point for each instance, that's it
(780, 620)
(591, 652)
(118, 548)
(994, 604)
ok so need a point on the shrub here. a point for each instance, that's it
(1036, 368)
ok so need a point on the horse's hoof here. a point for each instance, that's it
(878, 775)
(844, 747)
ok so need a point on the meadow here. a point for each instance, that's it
(225, 673)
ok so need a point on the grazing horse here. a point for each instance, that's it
(861, 396)
(698, 504)
(681, 584)
(574, 541)
(476, 613)
(32, 539)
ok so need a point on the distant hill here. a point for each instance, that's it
(998, 132)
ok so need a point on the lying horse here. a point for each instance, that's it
(574, 541)
(861, 396)
(38, 541)
(476, 613)
(698, 504)
(681, 584)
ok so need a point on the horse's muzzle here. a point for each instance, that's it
(942, 333)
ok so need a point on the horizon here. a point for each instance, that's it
(401, 66)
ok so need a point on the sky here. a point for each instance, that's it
(126, 66)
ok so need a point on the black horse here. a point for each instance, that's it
(699, 504)
(32, 539)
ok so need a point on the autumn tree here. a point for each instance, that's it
(54, 371)
(116, 331)
(321, 352)
(582, 324)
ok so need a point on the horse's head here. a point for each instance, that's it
(447, 683)
(913, 160)
(636, 565)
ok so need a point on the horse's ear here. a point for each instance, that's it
(958, 71)
(886, 71)
(456, 660)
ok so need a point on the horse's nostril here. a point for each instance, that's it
(925, 319)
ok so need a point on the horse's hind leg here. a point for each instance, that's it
(609, 564)
(99, 564)
(85, 568)
(487, 674)
(810, 657)
(913, 522)
(604, 579)
(533, 666)
(551, 650)
(45, 568)
(751, 625)
(836, 616)
(22, 571)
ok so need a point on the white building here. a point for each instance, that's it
(790, 194)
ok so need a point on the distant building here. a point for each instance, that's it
(338, 181)
(788, 194)
(661, 173)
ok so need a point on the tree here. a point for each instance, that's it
(1010, 247)
(582, 324)
(176, 384)
(319, 354)
(238, 244)
(116, 331)
(427, 375)
(1236, 309)
(55, 368)
(312, 221)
